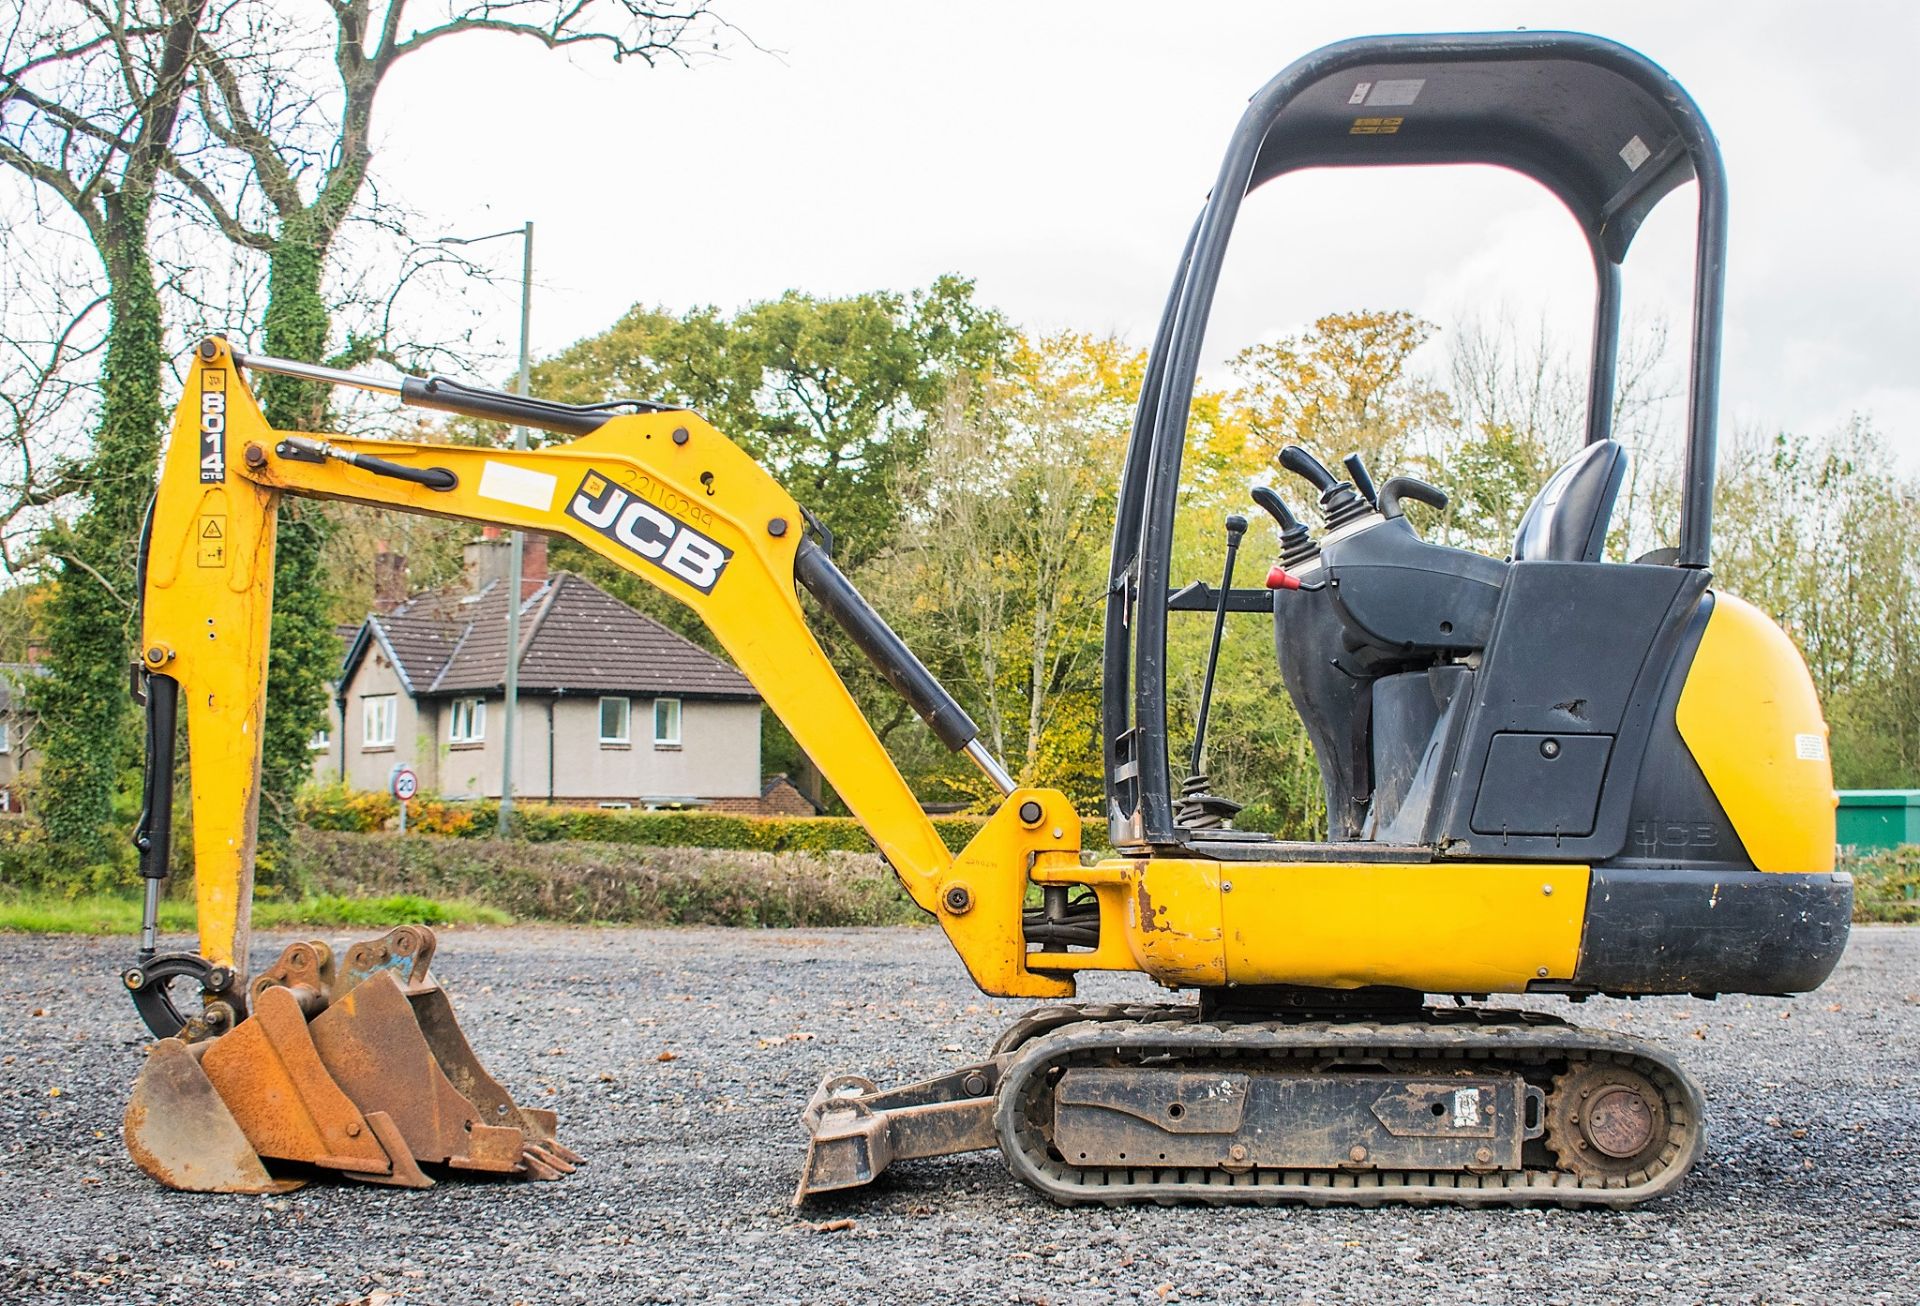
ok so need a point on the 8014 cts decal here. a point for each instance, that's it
(213, 426)
(639, 527)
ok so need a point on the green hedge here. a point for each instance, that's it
(1886, 885)
(580, 881)
(345, 810)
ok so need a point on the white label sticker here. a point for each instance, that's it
(1810, 748)
(509, 484)
(1466, 1108)
(1401, 92)
(1635, 152)
(1359, 95)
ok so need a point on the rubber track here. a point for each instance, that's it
(1474, 1039)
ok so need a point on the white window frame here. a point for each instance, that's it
(319, 742)
(476, 721)
(6, 736)
(379, 720)
(665, 741)
(626, 721)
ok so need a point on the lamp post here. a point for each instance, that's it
(519, 539)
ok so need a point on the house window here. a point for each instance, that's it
(615, 714)
(469, 721)
(6, 736)
(666, 723)
(321, 741)
(381, 717)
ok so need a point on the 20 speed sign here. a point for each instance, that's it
(405, 784)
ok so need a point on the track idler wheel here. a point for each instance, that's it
(1606, 1121)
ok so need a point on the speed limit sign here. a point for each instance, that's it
(405, 783)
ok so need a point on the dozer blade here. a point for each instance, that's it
(270, 1077)
(181, 1133)
(371, 1045)
(855, 1129)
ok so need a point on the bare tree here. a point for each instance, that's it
(278, 152)
(90, 96)
(53, 319)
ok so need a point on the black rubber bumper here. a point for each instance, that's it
(1693, 931)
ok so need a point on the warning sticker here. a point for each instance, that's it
(1375, 126)
(1810, 748)
(1466, 1108)
(1635, 152)
(1395, 94)
(213, 540)
(1359, 95)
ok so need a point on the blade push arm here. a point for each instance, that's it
(661, 494)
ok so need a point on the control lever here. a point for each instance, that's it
(1198, 809)
(1362, 481)
(1296, 546)
(1340, 503)
(1306, 466)
(1408, 487)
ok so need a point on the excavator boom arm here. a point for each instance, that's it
(662, 494)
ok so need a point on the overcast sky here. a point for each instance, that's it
(1058, 153)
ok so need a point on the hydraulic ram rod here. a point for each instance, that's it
(894, 660)
(813, 568)
(449, 396)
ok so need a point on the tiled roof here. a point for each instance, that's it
(420, 646)
(575, 637)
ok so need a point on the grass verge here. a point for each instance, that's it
(52, 913)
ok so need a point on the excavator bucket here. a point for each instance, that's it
(334, 1070)
(181, 1133)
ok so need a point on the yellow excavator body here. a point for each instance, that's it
(1549, 774)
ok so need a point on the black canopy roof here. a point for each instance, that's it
(1604, 128)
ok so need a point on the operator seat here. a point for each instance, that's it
(1567, 520)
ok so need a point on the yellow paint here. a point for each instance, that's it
(207, 610)
(213, 614)
(991, 871)
(1443, 927)
(1751, 718)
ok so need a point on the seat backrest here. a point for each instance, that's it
(1567, 521)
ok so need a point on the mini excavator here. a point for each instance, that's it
(1545, 774)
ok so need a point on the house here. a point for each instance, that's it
(615, 710)
(18, 760)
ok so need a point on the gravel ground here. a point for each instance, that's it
(1807, 1193)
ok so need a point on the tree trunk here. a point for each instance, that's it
(304, 656)
(86, 736)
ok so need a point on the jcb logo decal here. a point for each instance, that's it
(213, 426)
(659, 537)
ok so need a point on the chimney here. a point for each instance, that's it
(486, 560)
(533, 565)
(389, 580)
(36, 654)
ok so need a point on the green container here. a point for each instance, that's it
(1872, 819)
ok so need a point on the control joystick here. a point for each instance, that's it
(1340, 503)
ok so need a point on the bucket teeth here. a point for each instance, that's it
(360, 1068)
